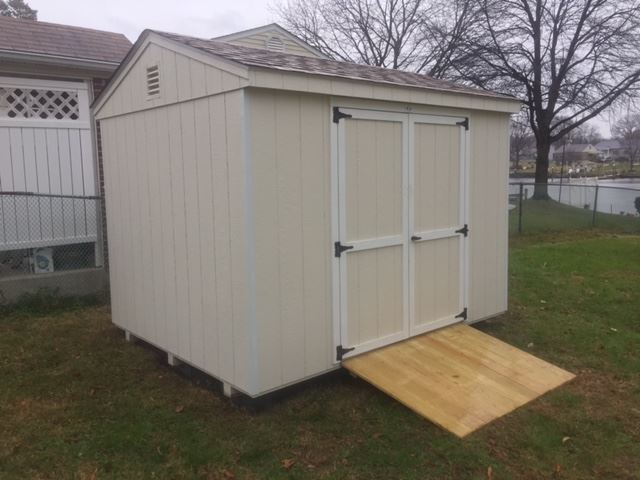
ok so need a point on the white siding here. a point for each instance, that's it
(291, 174)
(175, 190)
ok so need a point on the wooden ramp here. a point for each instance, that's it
(458, 377)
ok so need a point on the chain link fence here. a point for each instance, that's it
(50, 242)
(571, 206)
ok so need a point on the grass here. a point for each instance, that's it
(544, 216)
(76, 401)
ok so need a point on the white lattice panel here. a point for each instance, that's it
(36, 103)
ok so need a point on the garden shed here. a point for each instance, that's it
(271, 215)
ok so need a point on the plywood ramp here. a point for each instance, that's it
(458, 377)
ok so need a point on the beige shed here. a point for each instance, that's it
(271, 214)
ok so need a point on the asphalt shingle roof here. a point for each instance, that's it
(28, 36)
(254, 57)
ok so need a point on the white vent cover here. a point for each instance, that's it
(153, 81)
(275, 43)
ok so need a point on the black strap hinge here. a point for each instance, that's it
(337, 115)
(464, 230)
(464, 123)
(462, 314)
(341, 352)
(338, 248)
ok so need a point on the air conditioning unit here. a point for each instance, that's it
(42, 259)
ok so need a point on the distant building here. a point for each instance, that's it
(575, 152)
(611, 149)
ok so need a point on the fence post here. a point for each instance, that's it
(595, 207)
(520, 208)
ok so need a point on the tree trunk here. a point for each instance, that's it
(540, 192)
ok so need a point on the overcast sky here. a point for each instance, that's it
(200, 18)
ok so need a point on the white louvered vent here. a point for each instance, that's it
(275, 43)
(153, 81)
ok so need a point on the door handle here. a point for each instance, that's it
(415, 238)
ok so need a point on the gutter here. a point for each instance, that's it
(59, 60)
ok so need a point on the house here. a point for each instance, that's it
(271, 215)
(272, 37)
(574, 152)
(50, 213)
(611, 149)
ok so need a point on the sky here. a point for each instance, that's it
(200, 18)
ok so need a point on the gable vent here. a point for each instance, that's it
(275, 43)
(153, 81)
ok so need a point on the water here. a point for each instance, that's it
(614, 195)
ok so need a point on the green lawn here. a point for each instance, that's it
(544, 216)
(76, 401)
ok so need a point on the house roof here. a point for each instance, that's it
(50, 39)
(275, 28)
(575, 147)
(611, 144)
(252, 57)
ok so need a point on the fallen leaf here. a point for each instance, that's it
(613, 329)
(92, 392)
(376, 435)
(228, 474)
(179, 408)
(287, 463)
(530, 345)
(565, 439)
(543, 301)
(489, 472)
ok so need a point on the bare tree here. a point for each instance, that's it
(568, 59)
(521, 138)
(424, 36)
(17, 9)
(627, 129)
(587, 133)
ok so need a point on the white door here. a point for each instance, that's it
(437, 257)
(387, 277)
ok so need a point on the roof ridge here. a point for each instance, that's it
(62, 25)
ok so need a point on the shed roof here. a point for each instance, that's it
(252, 57)
(51, 39)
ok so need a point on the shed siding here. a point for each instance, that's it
(181, 78)
(259, 40)
(175, 201)
(489, 178)
(291, 171)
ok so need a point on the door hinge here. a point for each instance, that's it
(337, 115)
(341, 352)
(462, 314)
(464, 230)
(338, 248)
(464, 123)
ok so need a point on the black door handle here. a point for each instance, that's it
(415, 238)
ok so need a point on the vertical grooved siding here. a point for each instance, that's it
(291, 168)
(175, 191)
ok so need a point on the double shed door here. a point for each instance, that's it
(402, 226)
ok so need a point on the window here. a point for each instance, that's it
(153, 81)
(275, 43)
